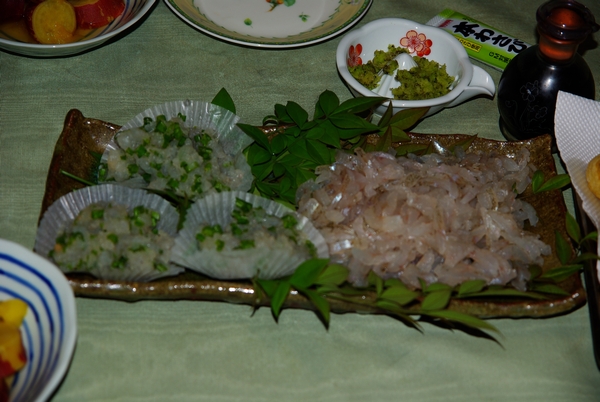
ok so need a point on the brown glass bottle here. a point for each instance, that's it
(530, 83)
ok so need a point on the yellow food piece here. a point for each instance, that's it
(592, 174)
(11, 349)
(12, 312)
(12, 353)
(54, 22)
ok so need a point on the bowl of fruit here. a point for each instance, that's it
(38, 325)
(54, 28)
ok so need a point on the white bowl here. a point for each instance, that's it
(49, 330)
(134, 11)
(444, 48)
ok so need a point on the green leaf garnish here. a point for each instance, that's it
(223, 99)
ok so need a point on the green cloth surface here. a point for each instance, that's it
(210, 351)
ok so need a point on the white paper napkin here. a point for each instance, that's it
(577, 130)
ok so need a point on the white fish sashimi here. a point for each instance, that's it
(435, 218)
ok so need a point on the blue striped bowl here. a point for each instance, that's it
(49, 330)
(134, 11)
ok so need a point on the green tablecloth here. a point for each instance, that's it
(203, 351)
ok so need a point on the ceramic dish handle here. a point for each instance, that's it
(481, 84)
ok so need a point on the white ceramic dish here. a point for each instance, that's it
(49, 330)
(268, 24)
(134, 11)
(358, 46)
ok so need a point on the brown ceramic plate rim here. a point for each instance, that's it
(82, 139)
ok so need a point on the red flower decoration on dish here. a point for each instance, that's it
(354, 56)
(417, 42)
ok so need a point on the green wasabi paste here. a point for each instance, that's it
(427, 80)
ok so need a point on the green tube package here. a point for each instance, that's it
(482, 42)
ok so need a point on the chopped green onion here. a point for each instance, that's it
(133, 169)
(289, 221)
(120, 263)
(137, 248)
(245, 244)
(160, 267)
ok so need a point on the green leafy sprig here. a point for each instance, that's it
(283, 162)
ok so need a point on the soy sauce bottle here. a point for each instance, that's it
(530, 83)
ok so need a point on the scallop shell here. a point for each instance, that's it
(264, 262)
(63, 212)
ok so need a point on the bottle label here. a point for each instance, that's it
(482, 42)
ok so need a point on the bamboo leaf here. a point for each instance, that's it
(289, 159)
(270, 119)
(387, 116)
(384, 143)
(585, 257)
(350, 121)
(328, 102)
(315, 133)
(472, 286)
(400, 295)
(268, 286)
(554, 183)
(320, 303)
(437, 300)
(399, 135)
(590, 236)
(303, 175)
(257, 155)
(262, 171)
(393, 309)
(407, 118)
(348, 134)
(257, 135)
(298, 148)
(333, 274)
(223, 99)
(307, 273)
(278, 144)
(375, 280)
(406, 149)
(535, 271)
(279, 296)
(537, 180)
(573, 228)
(282, 114)
(77, 178)
(319, 152)
(394, 282)
(561, 273)
(436, 287)
(464, 144)
(360, 104)
(549, 288)
(296, 113)
(563, 248)
(464, 319)
(504, 292)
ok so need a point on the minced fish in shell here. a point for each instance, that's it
(106, 239)
(166, 155)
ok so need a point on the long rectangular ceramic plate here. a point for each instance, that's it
(83, 138)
